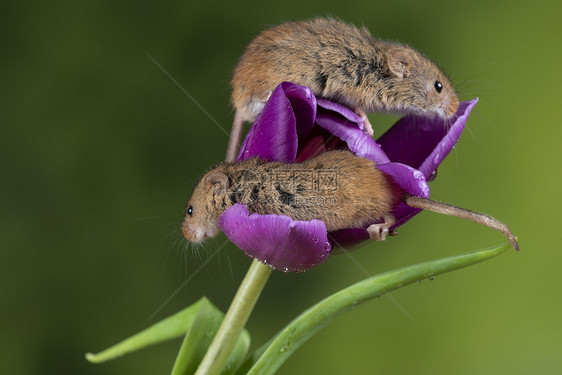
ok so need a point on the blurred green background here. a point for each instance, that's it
(99, 151)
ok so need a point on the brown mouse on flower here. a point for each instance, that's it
(340, 62)
(363, 196)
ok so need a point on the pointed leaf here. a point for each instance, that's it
(172, 327)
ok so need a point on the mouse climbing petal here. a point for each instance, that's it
(277, 240)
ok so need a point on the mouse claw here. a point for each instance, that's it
(379, 232)
(366, 122)
(368, 126)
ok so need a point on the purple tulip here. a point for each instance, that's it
(295, 126)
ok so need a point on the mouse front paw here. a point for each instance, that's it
(379, 232)
(368, 126)
(366, 122)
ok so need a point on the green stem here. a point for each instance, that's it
(235, 319)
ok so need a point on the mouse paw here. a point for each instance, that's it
(366, 122)
(368, 126)
(379, 232)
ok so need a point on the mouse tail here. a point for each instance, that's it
(447, 209)
(235, 136)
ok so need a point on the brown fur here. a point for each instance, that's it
(342, 63)
(324, 188)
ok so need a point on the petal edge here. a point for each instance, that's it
(277, 240)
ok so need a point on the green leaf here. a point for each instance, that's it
(199, 338)
(175, 326)
(318, 316)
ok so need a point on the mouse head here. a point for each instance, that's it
(206, 204)
(420, 86)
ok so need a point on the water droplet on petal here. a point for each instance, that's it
(433, 176)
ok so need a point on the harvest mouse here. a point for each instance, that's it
(363, 195)
(342, 63)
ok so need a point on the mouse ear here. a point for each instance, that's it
(399, 61)
(219, 182)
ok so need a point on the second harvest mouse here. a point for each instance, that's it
(342, 63)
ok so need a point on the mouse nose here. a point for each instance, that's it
(190, 232)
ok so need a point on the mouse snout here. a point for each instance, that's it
(453, 105)
(192, 233)
(448, 105)
(198, 233)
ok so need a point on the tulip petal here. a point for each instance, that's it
(348, 239)
(304, 103)
(423, 143)
(275, 133)
(413, 182)
(347, 113)
(357, 140)
(277, 240)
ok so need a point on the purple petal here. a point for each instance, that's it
(357, 140)
(347, 239)
(423, 143)
(342, 110)
(274, 135)
(413, 182)
(277, 240)
(303, 102)
(312, 149)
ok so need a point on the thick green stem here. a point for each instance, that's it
(235, 319)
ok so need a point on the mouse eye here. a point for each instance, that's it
(190, 211)
(438, 86)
